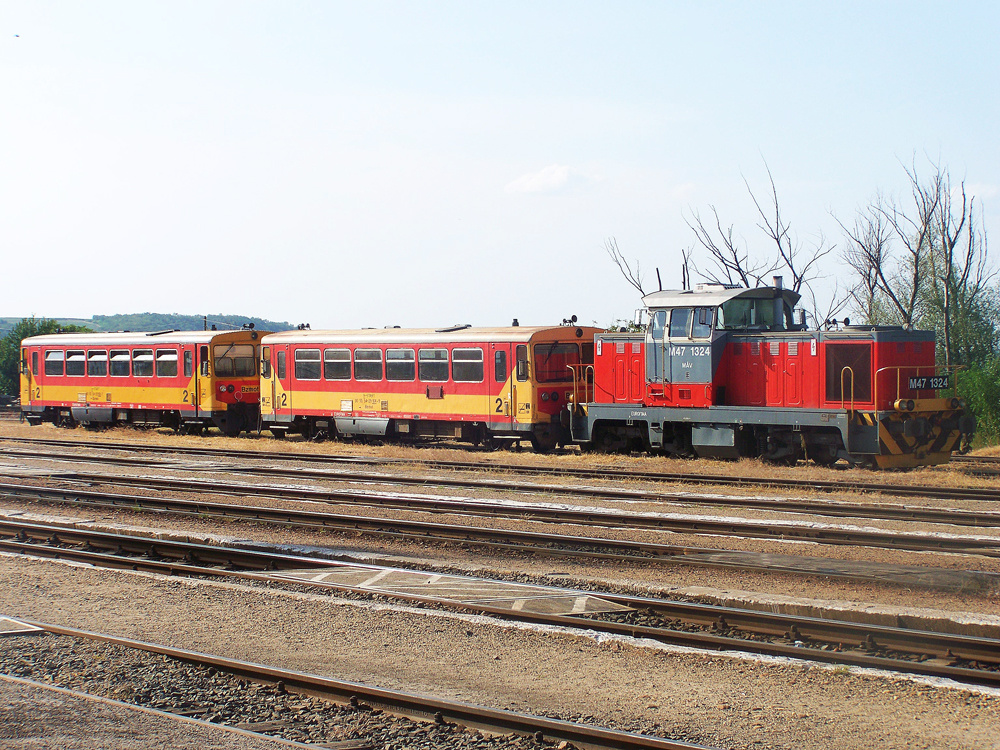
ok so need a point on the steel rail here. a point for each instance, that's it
(534, 543)
(420, 707)
(832, 508)
(946, 646)
(948, 493)
(904, 541)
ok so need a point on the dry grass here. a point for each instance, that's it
(945, 476)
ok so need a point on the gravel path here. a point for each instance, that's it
(702, 697)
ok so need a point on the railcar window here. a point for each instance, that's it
(400, 364)
(34, 364)
(235, 360)
(552, 361)
(337, 364)
(97, 363)
(166, 363)
(680, 319)
(76, 362)
(433, 365)
(500, 367)
(367, 364)
(281, 365)
(467, 365)
(701, 326)
(188, 363)
(120, 363)
(142, 363)
(54, 361)
(307, 365)
(521, 358)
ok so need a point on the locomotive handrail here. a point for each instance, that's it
(579, 373)
(935, 369)
(843, 402)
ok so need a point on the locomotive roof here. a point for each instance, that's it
(133, 338)
(713, 295)
(425, 335)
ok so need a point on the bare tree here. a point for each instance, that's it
(632, 277)
(734, 264)
(923, 264)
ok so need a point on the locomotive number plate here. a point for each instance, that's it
(930, 382)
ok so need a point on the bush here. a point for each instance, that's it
(980, 387)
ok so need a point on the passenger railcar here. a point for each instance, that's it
(727, 372)
(481, 385)
(183, 380)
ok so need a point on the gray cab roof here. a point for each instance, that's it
(713, 295)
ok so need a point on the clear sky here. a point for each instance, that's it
(427, 163)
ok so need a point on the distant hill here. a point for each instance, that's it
(161, 322)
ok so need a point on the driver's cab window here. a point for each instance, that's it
(680, 322)
(657, 323)
(701, 323)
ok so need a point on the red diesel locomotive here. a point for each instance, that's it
(726, 372)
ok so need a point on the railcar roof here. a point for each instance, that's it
(713, 295)
(425, 335)
(135, 338)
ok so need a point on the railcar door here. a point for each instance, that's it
(502, 403)
(193, 374)
(25, 378)
(281, 382)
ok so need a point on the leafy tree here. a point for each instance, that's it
(980, 386)
(10, 348)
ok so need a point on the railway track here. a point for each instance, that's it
(605, 472)
(535, 512)
(433, 712)
(882, 511)
(971, 660)
(524, 542)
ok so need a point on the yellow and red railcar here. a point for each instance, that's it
(185, 380)
(480, 385)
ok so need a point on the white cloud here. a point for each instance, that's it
(552, 179)
(982, 190)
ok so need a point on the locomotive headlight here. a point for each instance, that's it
(545, 396)
(555, 395)
(956, 403)
(910, 405)
(222, 389)
(232, 388)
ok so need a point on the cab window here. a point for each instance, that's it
(235, 360)
(701, 324)
(680, 321)
(280, 366)
(552, 361)
(521, 362)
